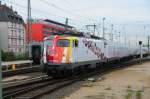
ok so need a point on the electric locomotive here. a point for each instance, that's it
(71, 52)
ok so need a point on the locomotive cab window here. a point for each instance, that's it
(75, 43)
(63, 43)
(48, 43)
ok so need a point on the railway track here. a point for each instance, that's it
(13, 90)
(24, 70)
(46, 85)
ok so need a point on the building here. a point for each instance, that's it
(12, 30)
(42, 28)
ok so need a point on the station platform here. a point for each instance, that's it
(13, 65)
(16, 62)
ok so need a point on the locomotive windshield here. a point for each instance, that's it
(63, 43)
(48, 43)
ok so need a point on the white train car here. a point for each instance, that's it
(63, 53)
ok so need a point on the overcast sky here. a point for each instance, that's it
(133, 15)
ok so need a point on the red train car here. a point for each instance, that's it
(39, 31)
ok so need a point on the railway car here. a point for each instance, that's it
(70, 53)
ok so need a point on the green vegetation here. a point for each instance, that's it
(10, 56)
(138, 94)
(133, 93)
(129, 94)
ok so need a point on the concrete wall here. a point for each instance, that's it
(4, 36)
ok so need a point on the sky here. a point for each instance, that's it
(128, 16)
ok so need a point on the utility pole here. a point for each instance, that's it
(0, 72)
(94, 27)
(125, 36)
(98, 30)
(136, 39)
(0, 68)
(104, 27)
(144, 33)
(112, 28)
(119, 36)
(148, 45)
(29, 26)
(29, 20)
(141, 53)
(66, 24)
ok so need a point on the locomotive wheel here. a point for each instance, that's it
(48, 73)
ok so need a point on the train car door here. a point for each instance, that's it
(75, 49)
(36, 54)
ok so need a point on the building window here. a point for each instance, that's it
(12, 25)
(22, 42)
(13, 49)
(15, 25)
(22, 35)
(15, 41)
(12, 41)
(20, 50)
(9, 41)
(14, 33)
(9, 24)
(11, 32)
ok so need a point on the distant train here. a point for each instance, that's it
(67, 53)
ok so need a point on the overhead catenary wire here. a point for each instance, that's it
(38, 10)
(71, 7)
(67, 11)
(44, 12)
(72, 20)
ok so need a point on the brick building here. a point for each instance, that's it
(12, 30)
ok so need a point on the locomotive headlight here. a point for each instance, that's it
(49, 52)
(52, 53)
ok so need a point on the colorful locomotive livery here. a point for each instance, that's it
(63, 53)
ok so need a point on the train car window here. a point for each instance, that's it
(63, 43)
(75, 43)
(48, 43)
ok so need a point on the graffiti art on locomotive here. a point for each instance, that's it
(66, 53)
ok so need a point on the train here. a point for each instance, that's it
(64, 54)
